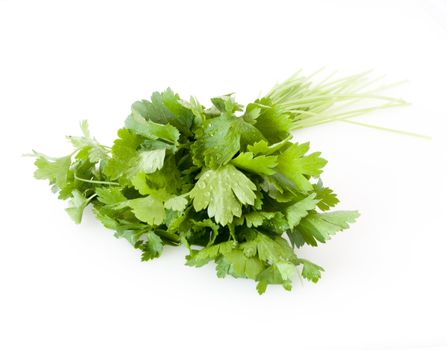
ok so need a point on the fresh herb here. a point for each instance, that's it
(227, 182)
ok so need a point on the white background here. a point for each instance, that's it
(65, 286)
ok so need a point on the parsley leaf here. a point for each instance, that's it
(165, 108)
(88, 144)
(299, 210)
(260, 165)
(55, 170)
(149, 161)
(152, 130)
(177, 203)
(77, 206)
(273, 124)
(310, 271)
(217, 142)
(152, 247)
(321, 226)
(223, 191)
(296, 167)
(124, 150)
(148, 209)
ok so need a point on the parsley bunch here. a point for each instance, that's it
(227, 182)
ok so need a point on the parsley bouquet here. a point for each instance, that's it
(227, 182)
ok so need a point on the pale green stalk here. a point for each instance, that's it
(96, 181)
(310, 104)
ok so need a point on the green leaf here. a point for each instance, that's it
(202, 226)
(298, 168)
(322, 226)
(262, 147)
(222, 267)
(152, 130)
(223, 191)
(243, 266)
(86, 143)
(77, 206)
(287, 270)
(299, 210)
(252, 113)
(275, 190)
(310, 271)
(327, 198)
(273, 124)
(166, 108)
(257, 218)
(267, 249)
(226, 103)
(102, 214)
(272, 275)
(298, 239)
(205, 255)
(124, 151)
(259, 165)
(152, 248)
(149, 161)
(169, 177)
(207, 223)
(148, 209)
(139, 182)
(198, 111)
(177, 203)
(110, 195)
(55, 170)
(277, 225)
(132, 236)
(217, 142)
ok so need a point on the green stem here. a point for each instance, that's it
(91, 197)
(338, 98)
(96, 181)
(168, 235)
(396, 131)
(310, 104)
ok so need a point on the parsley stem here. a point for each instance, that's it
(96, 181)
(396, 131)
(91, 197)
(169, 236)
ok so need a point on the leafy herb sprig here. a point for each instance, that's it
(227, 182)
